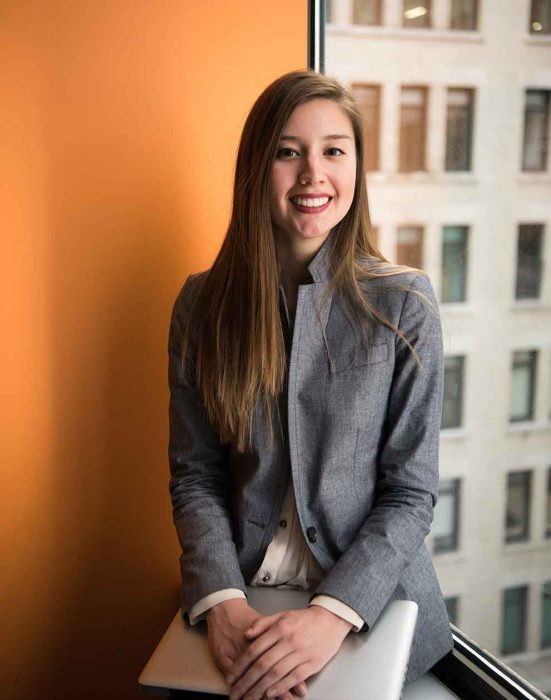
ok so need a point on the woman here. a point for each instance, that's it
(306, 379)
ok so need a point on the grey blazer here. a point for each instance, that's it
(361, 443)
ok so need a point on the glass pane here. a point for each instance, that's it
(459, 130)
(514, 617)
(453, 392)
(452, 605)
(540, 17)
(412, 129)
(522, 381)
(454, 263)
(546, 615)
(517, 518)
(416, 13)
(536, 119)
(368, 99)
(445, 523)
(409, 249)
(464, 14)
(367, 11)
(529, 262)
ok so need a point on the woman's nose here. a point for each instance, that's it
(313, 171)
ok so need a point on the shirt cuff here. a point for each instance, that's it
(340, 609)
(200, 609)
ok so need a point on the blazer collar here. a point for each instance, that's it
(319, 266)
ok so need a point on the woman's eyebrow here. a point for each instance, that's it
(329, 137)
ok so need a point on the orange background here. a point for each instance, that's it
(119, 123)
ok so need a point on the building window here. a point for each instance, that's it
(529, 261)
(452, 607)
(413, 116)
(517, 518)
(536, 130)
(368, 12)
(445, 526)
(548, 518)
(368, 98)
(540, 17)
(513, 622)
(409, 247)
(459, 128)
(454, 264)
(523, 385)
(546, 615)
(417, 13)
(452, 412)
(464, 14)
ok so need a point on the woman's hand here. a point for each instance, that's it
(288, 647)
(227, 623)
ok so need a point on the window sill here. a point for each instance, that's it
(537, 177)
(538, 39)
(451, 35)
(452, 558)
(530, 305)
(461, 308)
(528, 546)
(440, 178)
(453, 434)
(528, 426)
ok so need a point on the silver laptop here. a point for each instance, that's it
(370, 665)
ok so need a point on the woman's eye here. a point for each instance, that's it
(286, 152)
(334, 151)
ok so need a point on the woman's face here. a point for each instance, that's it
(314, 173)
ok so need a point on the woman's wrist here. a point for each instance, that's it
(339, 622)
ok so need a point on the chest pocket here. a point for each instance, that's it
(346, 344)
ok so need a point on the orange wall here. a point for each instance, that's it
(119, 125)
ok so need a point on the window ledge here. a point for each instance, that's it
(451, 35)
(537, 177)
(423, 176)
(461, 308)
(530, 305)
(453, 433)
(452, 558)
(538, 39)
(528, 546)
(528, 426)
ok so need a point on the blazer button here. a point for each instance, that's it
(312, 534)
(282, 523)
(266, 578)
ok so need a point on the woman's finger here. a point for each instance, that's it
(261, 624)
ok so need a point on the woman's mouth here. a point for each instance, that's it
(311, 205)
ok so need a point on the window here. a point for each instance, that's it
(368, 98)
(459, 128)
(548, 509)
(522, 385)
(540, 17)
(445, 526)
(454, 263)
(409, 247)
(546, 615)
(464, 14)
(417, 13)
(517, 518)
(513, 622)
(536, 130)
(413, 110)
(452, 605)
(367, 12)
(452, 412)
(529, 261)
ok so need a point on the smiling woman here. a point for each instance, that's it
(306, 380)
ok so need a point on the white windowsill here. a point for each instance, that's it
(538, 39)
(453, 434)
(528, 427)
(530, 305)
(459, 308)
(528, 546)
(382, 32)
(539, 177)
(423, 176)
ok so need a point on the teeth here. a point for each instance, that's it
(309, 202)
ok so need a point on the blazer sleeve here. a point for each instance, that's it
(199, 478)
(367, 573)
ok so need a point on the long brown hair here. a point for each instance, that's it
(239, 363)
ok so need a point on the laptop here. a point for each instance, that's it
(370, 665)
